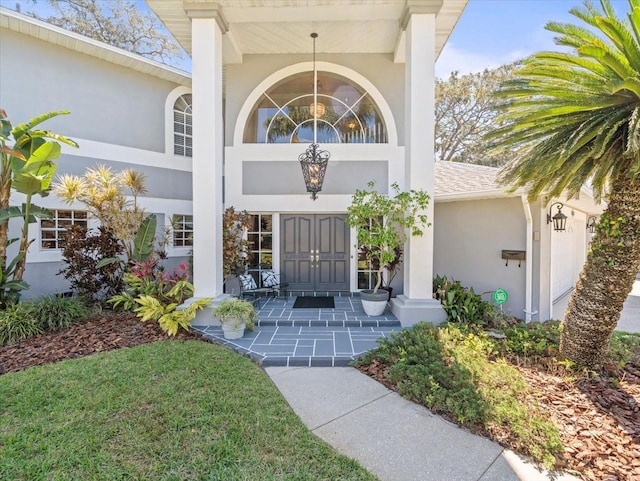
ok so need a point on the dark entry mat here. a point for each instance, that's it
(314, 302)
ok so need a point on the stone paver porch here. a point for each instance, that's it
(308, 337)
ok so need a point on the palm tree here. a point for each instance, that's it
(575, 117)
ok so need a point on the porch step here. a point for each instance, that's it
(321, 346)
(382, 322)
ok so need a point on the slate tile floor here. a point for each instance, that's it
(308, 337)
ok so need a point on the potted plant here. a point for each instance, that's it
(382, 225)
(235, 315)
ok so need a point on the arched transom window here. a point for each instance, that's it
(182, 126)
(346, 113)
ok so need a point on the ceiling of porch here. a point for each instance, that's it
(283, 26)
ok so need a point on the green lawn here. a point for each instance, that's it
(172, 410)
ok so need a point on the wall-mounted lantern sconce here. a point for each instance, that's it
(591, 224)
(559, 219)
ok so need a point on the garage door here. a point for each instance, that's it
(567, 255)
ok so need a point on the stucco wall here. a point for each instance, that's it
(379, 69)
(108, 103)
(469, 237)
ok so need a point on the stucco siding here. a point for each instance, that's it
(341, 178)
(469, 237)
(108, 103)
(379, 69)
(160, 182)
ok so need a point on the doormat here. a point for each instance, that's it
(314, 302)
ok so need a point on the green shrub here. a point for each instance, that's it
(624, 347)
(450, 371)
(17, 323)
(531, 339)
(460, 304)
(55, 313)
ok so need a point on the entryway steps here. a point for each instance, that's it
(321, 346)
(285, 336)
(297, 322)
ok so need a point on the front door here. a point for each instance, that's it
(314, 252)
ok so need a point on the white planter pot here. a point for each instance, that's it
(374, 304)
(231, 333)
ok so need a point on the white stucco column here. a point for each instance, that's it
(208, 148)
(417, 303)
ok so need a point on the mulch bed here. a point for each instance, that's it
(102, 333)
(598, 418)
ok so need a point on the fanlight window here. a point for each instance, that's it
(182, 126)
(345, 112)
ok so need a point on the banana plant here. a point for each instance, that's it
(26, 168)
(142, 244)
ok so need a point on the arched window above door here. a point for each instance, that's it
(345, 112)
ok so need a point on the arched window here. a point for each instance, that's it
(345, 112)
(182, 126)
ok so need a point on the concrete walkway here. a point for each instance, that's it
(395, 439)
(629, 317)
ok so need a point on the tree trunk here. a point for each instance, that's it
(606, 279)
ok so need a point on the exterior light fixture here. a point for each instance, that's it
(317, 112)
(559, 220)
(591, 224)
(314, 161)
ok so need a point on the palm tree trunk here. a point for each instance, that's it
(606, 279)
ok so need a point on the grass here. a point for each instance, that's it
(171, 410)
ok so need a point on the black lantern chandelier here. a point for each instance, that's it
(314, 161)
(559, 219)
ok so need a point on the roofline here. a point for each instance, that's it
(483, 194)
(33, 27)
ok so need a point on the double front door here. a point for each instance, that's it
(314, 252)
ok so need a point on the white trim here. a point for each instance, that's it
(174, 95)
(130, 155)
(360, 80)
(150, 205)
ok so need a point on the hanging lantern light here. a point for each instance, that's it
(314, 161)
(317, 109)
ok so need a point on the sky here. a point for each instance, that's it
(489, 33)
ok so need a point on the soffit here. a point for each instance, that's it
(283, 26)
(50, 33)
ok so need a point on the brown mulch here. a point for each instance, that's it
(105, 332)
(598, 418)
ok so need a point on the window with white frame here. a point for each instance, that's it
(344, 112)
(367, 269)
(260, 237)
(182, 230)
(52, 231)
(182, 126)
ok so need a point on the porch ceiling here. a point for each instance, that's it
(283, 26)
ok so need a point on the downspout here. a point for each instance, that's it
(528, 259)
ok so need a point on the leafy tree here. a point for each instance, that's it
(465, 112)
(117, 22)
(575, 116)
(27, 168)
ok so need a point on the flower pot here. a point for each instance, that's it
(374, 303)
(389, 290)
(231, 333)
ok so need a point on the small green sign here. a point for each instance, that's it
(500, 296)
